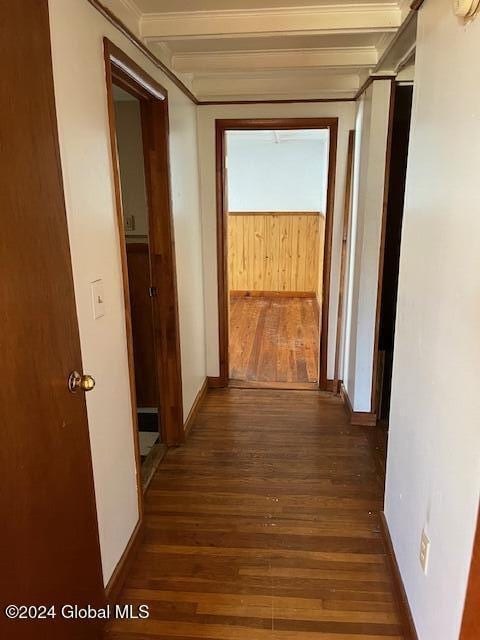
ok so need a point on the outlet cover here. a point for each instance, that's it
(424, 551)
(129, 223)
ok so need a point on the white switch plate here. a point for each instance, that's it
(98, 298)
(130, 223)
(424, 551)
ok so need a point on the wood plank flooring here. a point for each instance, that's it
(274, 339)
(264, 526)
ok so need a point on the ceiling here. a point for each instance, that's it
(267, 49)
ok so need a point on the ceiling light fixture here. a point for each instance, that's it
(466, 9)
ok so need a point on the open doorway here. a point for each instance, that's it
(136, 225)
(138, 113)
(275, 200)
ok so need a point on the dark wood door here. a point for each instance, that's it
(49, 533)
(139, 280)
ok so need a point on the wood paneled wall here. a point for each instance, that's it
(275, 251)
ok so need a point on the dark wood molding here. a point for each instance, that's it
(118, 24)
(330, 386)
(471, 612)
(343, 260)
(272, 294)
(215, 382)
(358, 418)
(286, 386)
(416, 5)
(400, 593)
(115, 584)
(374, 400)
(154, 113)
(221, 127)
(195, 407)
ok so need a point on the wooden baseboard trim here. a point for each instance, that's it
(215, 382)
(195, 407)
(357, 418)
(287, 386)
(407, 619)
(115, 584)
(330, 385)
(272, 294)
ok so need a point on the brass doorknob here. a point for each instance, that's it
(76, 381)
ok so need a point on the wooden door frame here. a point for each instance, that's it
(124, 72)
(253, 124)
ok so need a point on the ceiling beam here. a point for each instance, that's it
(248, 85)
(326, 58)
(358, 18)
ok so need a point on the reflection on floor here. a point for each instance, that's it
(264, 526)
(274, 339)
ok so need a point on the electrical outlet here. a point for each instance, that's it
(424, 551)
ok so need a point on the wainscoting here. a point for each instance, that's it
(277, 251)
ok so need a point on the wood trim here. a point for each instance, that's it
(401, 595)
(200, 397)
(215, 382)
(272, 294)
(381, 257)
(416, 5)
(471, 614)
(118, 24)
(221, 126)
(139, 82)
(358, 418)
(291, 386)
(343, 262)
(117, 579)
(154, 112)
(275, 213)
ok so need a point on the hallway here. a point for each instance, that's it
(263, 526)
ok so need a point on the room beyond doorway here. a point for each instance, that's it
(275, 204)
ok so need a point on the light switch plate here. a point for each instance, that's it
(98, 298)
(130, 223)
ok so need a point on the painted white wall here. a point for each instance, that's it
(367, 209)
(266, 175)
(433, 472)
(345, 112)
(77, 30)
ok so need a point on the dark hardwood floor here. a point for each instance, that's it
(264, 526)
(274, 339)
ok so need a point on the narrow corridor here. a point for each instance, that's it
(265, 525)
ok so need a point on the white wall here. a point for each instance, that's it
(265, 175)
(77, 31)
(365, 234)
(345, 111)
(132, 168)
(433, 473)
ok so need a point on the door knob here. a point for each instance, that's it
(76, 381)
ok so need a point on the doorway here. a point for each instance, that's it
(138, 112)
(275, 203)
(400, 135)
(136, 236)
